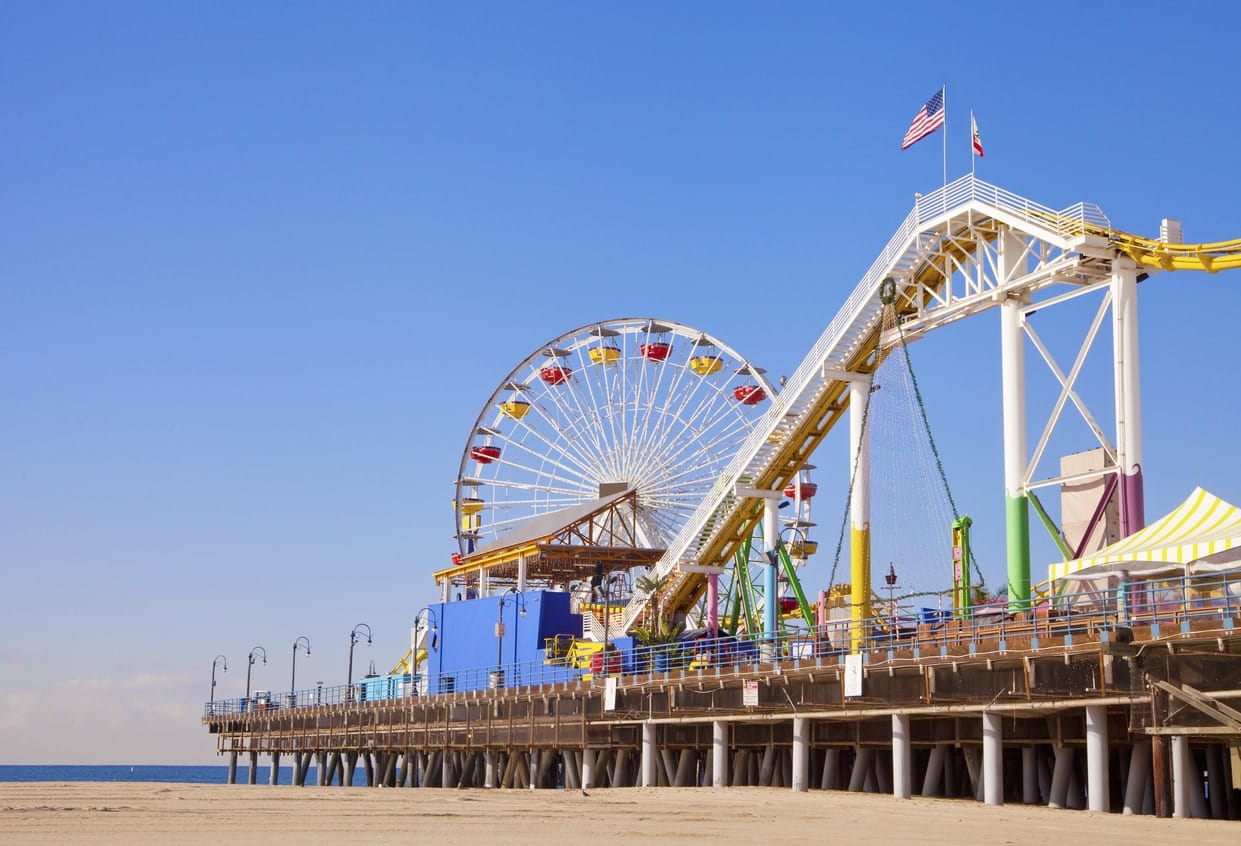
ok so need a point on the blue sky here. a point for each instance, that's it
(261, 265)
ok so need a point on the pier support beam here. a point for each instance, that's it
(1060, 777)
(1097, 787)
(902, 757)
(253, 776)
(489, 771)
(588, 768)
(801, 754)
(1180, 776)
(831, 769)
(992, 758)
(232, 767)
(1029, 775)
(273, 777)
(650, 758)
(933, 779)
(1137, 778)
(719, 754)
(861, 768)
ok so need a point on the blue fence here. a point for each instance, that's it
(1161, 608)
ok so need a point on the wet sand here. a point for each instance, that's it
(135, 814)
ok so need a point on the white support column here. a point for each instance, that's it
(521, 574)
(489, 770)
(993, 758)
(719, 754)
(1180, 776)
(902, 757)
(588, 768)
(650, 758)
(1097, 788)
(1010, 257)
(1128, 394)
(801, 754)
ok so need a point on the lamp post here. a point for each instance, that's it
(302, 642)
(353, 639)
(262, 653)
(433, 622)
(890, 579)
(222, 662)
(513, 597)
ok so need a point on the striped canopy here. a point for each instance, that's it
(1203, 534)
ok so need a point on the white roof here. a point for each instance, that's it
(1202, 534)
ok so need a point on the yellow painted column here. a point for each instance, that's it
(859, 515)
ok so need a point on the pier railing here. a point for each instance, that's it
(1148, 609)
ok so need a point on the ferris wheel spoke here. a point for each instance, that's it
(665, 391)
(685, 461)
(573, 416)
(701, 419)
(541, 477)
(565, 444)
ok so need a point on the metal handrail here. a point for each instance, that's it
(1155, 604)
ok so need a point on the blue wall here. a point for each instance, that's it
(465, 647)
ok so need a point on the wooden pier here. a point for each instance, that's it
(1108, 718)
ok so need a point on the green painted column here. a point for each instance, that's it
(1017, 525)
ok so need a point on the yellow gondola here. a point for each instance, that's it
(471, 505)
(604, 355)
(705, 365)
(515, 409)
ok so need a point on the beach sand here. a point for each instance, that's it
(135, 814)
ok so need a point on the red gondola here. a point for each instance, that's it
(555, 375)
(456, 559)
(749, 394)
(808, 489)
(655, 351)
(485, 453)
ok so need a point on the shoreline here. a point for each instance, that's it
(132, 813)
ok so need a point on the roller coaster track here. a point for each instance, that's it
(944, 258)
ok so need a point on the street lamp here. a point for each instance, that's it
(353, 639)
(263, 653)
(432, 621)
(296, 644)
(421, 685)
(512, 596)
(222, 662)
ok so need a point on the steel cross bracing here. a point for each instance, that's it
(944, 259)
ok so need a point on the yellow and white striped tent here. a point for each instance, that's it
(1201, 535)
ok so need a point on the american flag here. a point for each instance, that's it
(929, 118)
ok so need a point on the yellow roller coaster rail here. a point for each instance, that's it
(1211, 257)
(1221, 255)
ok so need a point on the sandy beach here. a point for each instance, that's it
(135, 814)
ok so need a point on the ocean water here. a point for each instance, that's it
(139, 772)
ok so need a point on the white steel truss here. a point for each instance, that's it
(944, 260)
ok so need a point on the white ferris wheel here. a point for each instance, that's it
(634, 403)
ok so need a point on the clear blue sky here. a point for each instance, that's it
(262, 264)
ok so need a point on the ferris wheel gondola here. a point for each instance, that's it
(634, 403)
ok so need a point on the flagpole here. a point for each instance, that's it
(944, 92)
(972, 156)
